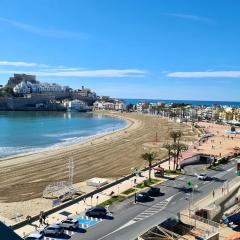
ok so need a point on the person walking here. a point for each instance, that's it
(40, 221)
(44, 217)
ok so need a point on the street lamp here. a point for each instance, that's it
(189, 205)
(194, 187)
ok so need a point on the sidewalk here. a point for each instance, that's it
(224, 231)
(218, 193)
(81, 206)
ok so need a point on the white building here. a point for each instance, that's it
(113, 105)
(26, 87)
(143, 107)
(22, 88)
(119, 106)
(101, 105)
(77, 105)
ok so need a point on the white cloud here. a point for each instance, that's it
(192, 17)
(22, 64)
(205, 74)
(65, 71)
(43, 31)
(117, 73)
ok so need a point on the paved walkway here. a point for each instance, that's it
(219, 145)
(80, 207)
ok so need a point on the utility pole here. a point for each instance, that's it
(70, 167)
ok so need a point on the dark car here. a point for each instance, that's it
(96, 212)
(187, 189)
(143, 197)
(154, 192)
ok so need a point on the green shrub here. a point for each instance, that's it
(112, 200)
(129, 191)
(147, 182)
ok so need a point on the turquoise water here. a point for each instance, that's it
(22, 132)
(192, 102)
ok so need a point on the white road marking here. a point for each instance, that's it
(137, 218)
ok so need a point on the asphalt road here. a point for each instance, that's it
(131, 220)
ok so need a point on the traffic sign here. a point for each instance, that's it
(189, 183)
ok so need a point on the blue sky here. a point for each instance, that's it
(164, 49)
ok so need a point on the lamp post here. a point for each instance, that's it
(189, 205)
(196, 186)
(91, 200)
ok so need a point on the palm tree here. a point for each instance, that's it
(174, 135)
(179, 135)
(150, 157)
(176, 147)
(179, 148)
(169, 149)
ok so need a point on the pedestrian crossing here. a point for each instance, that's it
(152, 210)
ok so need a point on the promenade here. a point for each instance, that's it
(110, 156)
(79, 208)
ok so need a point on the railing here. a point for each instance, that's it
(82, 197)
(206, 221)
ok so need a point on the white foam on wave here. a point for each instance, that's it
(65, 134)
(10, 151)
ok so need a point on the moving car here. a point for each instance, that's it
(187, 189)
(154, 191)
(96, 212)
(53, 229)
(34, 236)
(143, 197)
(202, 176)
(69, 223)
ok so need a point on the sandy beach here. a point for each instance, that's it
(112, 155)
(222, 143)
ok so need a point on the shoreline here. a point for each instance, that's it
(60, 145)
(111, 155)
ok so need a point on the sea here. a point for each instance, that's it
(191, 102)
(22, 132)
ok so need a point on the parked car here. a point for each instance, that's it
(202, 176)
(143, 197)
(96, 212)
(69, 223)
(53, 229)
(34, 236)
(154, 191)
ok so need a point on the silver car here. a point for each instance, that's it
(53, 229)
(69, 223)
(202, 176)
